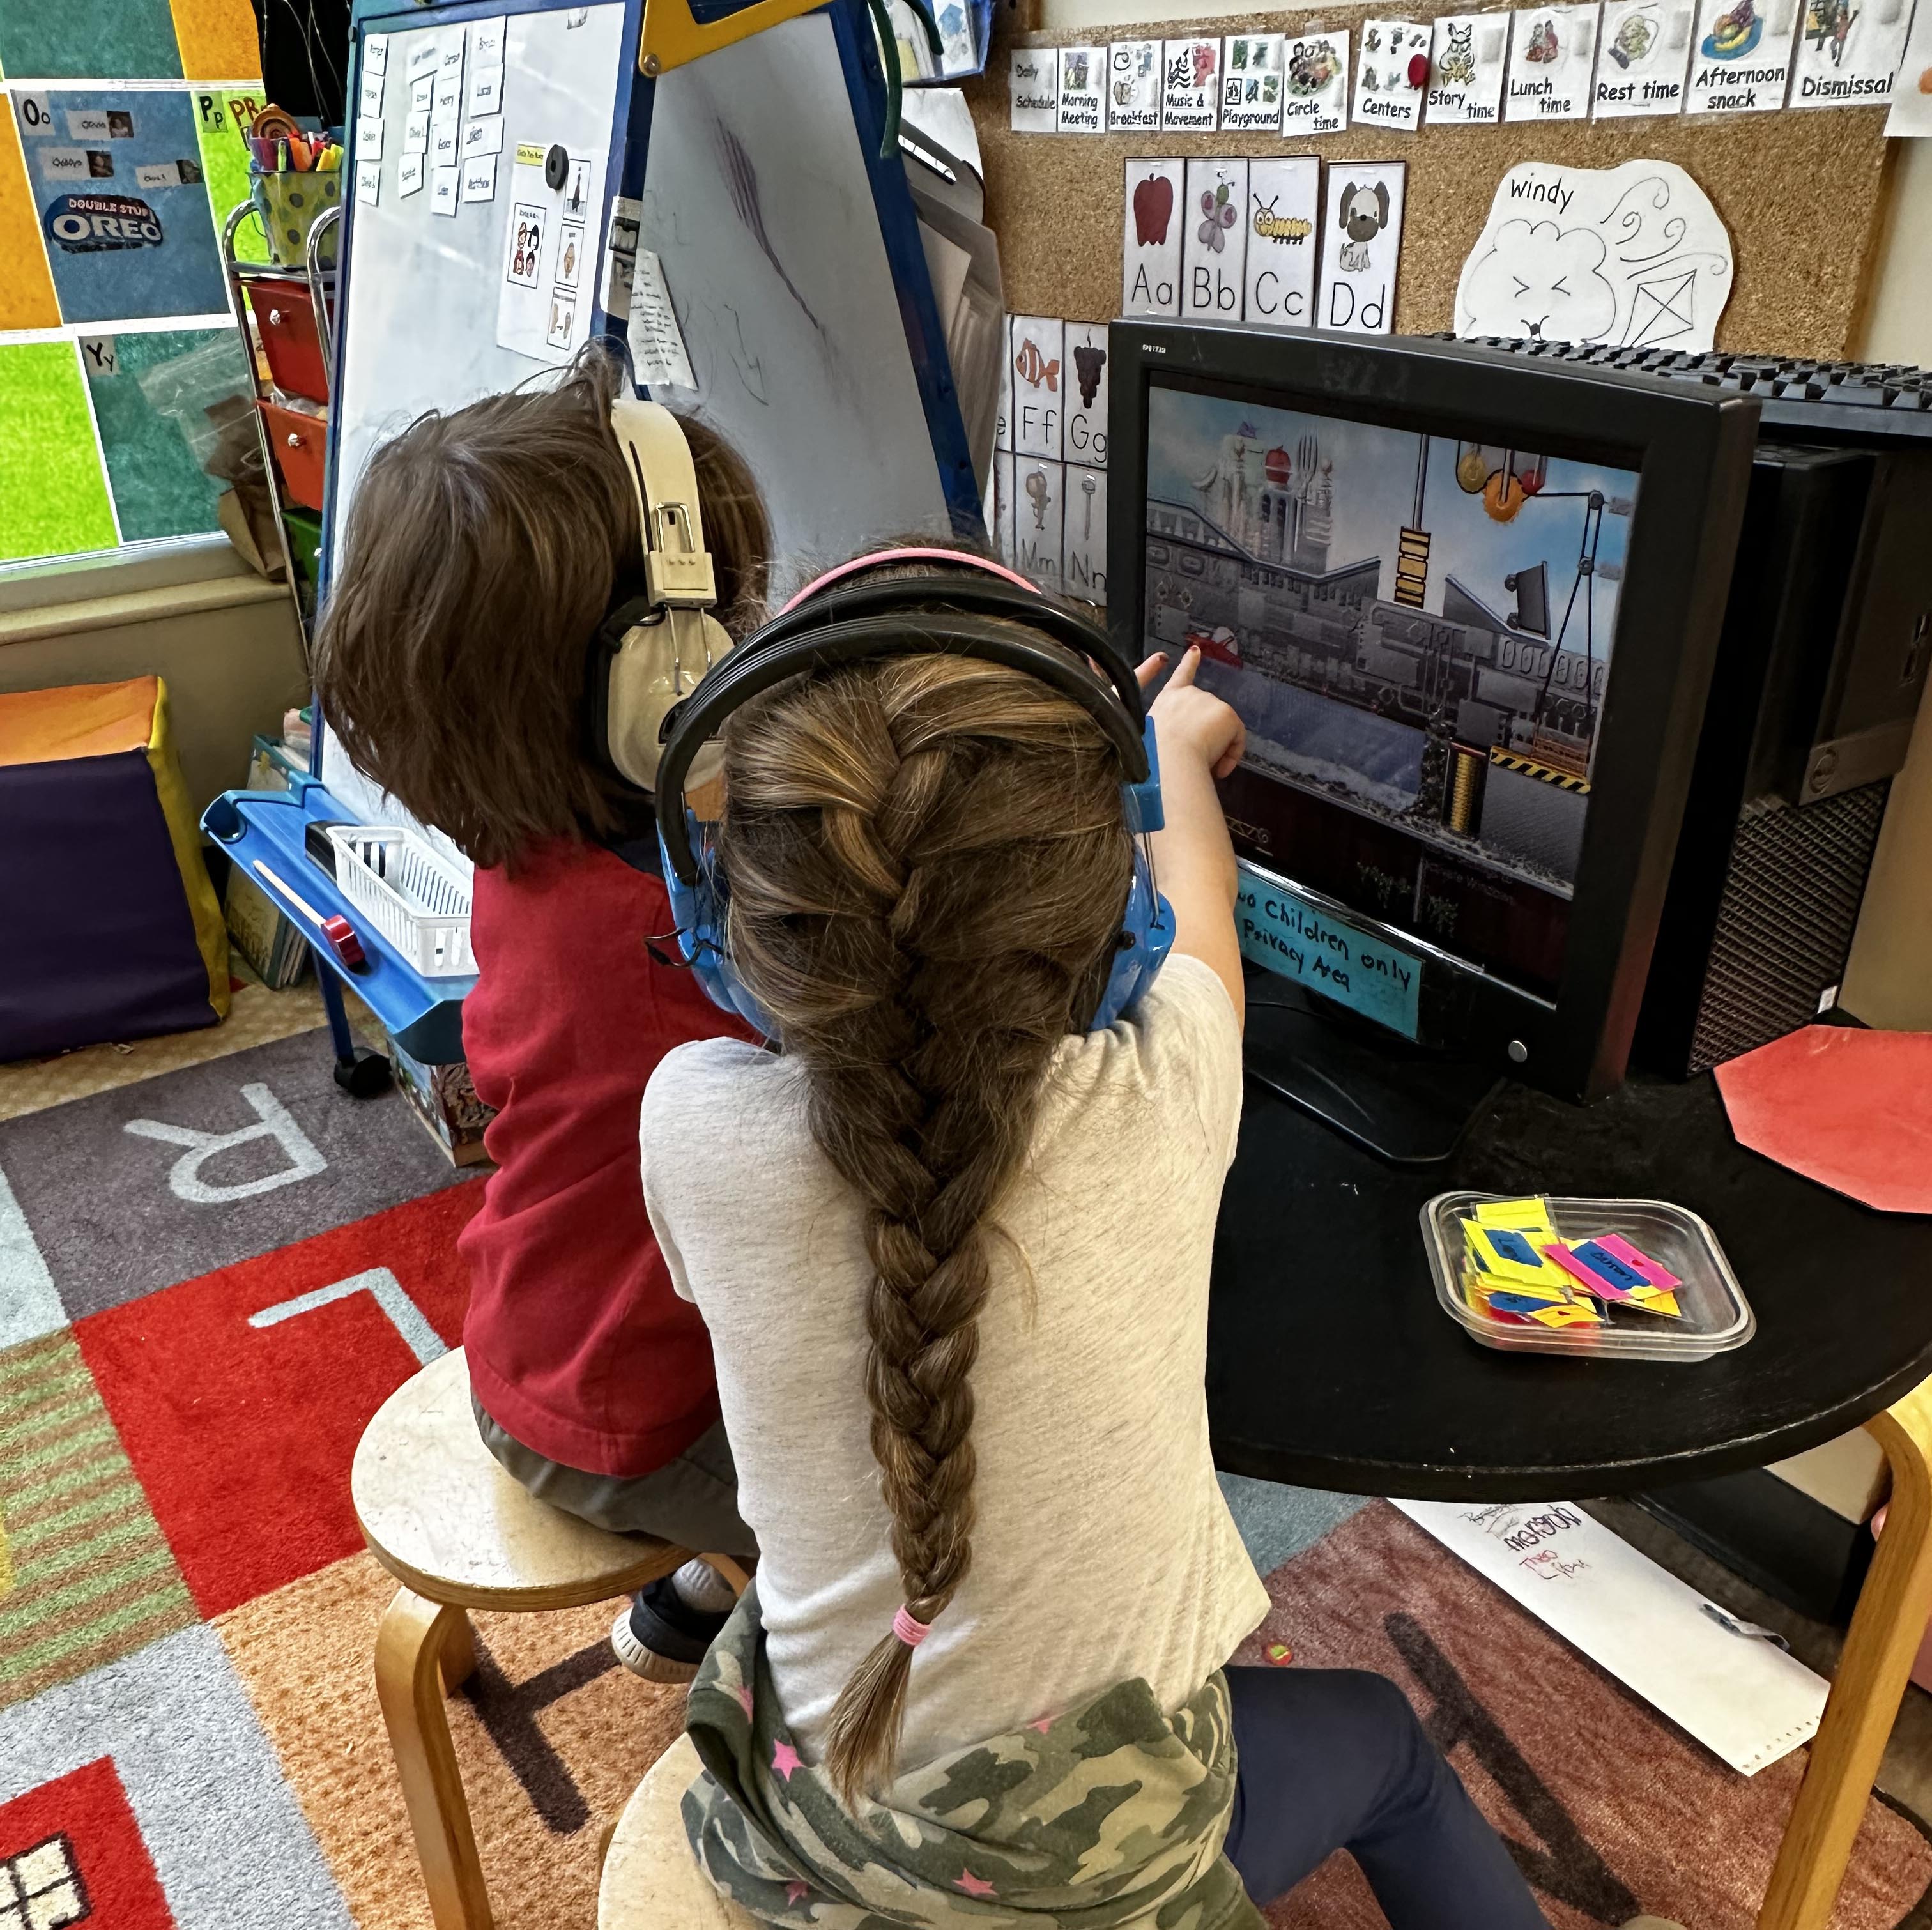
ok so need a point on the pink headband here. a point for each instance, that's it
(878, 556)
(910, 1632)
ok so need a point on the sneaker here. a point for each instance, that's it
(660, 1637)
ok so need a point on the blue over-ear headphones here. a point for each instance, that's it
(835, 621)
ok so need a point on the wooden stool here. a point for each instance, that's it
(651, 1880)
(458, 1533)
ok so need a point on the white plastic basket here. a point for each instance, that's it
(418, 899)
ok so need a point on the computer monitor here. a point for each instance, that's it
(1467, 604)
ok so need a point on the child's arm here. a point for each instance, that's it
(1201, 739)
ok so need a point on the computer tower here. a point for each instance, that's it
(1820, 668)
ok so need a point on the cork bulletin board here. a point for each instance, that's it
(1802, 193)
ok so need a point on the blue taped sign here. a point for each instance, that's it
(1281, 930)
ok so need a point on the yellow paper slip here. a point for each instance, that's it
(1530, 1216)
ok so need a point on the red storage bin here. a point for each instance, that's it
(300, 443)
(285, 318)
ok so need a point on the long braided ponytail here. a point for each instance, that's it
(928, 865)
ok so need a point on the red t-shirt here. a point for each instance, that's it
(576, 1344)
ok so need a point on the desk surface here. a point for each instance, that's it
(1330, 1364)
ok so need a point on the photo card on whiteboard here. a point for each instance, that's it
(1251, 77)
(1466, 62)
(1134, 78)
(1150, 240)
(1214, 243)
(1642, 55)
(1314, 94)
(1284, 222)
(1083, 385)
(1391, 74)
(1552, 62)
(1361, 244)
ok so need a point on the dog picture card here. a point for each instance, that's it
(1848, 52)
(1034, 86)
(1083, 386)
(1134, 81)
(1190, 99)
(1035, 357)
(1040, 499)
(1083, 97)
(1466, 68)
(1284, 219)
(1214, 242)
(1553, 61)
(1740, 56)
(1361, 243)
(1151, 245)
(1391, 72)
(1642, 55)
(1314, 85)
(1251, 90)
(1083, 544)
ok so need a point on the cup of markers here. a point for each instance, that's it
(293, 174)
(1634, 1279)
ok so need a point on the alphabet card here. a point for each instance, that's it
(1191, 87)
(1848, 54)
(1284, 214)
(1039, 503)
(1391, 71)
(1465, 79)
(1361, 241)
(1083, 77)
(1002, 424)
(1083, 393)
(1251, 70)
(1083, 544)
(1003, 506)
(1640, 65)
(1150, 247)
(1039, 394)
(1740, 57)
(1553, 61)
(1214, 244)
(1315, 95)
(1034, 85)
(1134, 76)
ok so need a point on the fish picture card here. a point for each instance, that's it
(1391, 74)
(1315, 84)
(1740, 56)
(1134, 76)
(1251, 82)
(1284, 215)
(1083, 377)
(1465, 78)
(1150, 246)
(1643, 53)
(1033, 87)
(1361, 244)
(1553, 61)
(1085, 542)
(1039, 518)
(1190, 94)
(1039, 394)
(1083, 84)
(1214, 243)
(1848, 54)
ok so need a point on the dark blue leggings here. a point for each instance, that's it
(1334, 1759)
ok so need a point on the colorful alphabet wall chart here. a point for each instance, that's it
(120, 370)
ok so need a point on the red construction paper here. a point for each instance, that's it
(1850, 1108)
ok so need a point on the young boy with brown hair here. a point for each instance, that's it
(484, 548)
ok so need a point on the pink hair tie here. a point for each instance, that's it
(964, 558)
(910, 1632)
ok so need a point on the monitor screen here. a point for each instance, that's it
(1417, 630)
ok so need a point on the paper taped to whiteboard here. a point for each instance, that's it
(657, 343)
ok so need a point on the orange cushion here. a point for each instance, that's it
(85, 720)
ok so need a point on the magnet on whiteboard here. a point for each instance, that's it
(556, 167)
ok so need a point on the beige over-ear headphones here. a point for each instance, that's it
(652, 649)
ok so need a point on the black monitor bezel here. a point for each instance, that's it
(1691, 452)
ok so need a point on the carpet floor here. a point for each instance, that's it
(215, 1266)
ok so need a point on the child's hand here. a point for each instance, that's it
(1188, 719)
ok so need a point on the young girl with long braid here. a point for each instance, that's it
(952, 1249)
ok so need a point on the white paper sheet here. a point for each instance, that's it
(1742, 1697)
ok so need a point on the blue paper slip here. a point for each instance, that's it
(1285, 932)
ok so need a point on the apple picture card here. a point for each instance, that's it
(1552, 60)
(1284, 216)
(1039, 393)
(1848, 53)
(1314, 85)
(1190, 99)
(1213, 244)
(1466, 68)
(1134, 87)
(1391, 71)
(1083, 107)
(1083, 382)
(1034, 81)
(1150, 247)
(1740, 56)
(1644, 50)
(1251, 68)
(1361, 241)
(1912, 98)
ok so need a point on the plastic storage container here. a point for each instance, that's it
(300, 444)
(416, 898)
(285, 315)
(1715, 1315)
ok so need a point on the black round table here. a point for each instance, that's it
(1330, 1364)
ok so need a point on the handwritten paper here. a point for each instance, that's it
(657, 343)
(1290, 935)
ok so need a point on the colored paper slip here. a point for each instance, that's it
(1618, 1247)
(1532, 1214)
(1507, 1253)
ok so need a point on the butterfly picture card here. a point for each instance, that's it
(1553, 61)
(1213, 248)
(1134, 82)
(1037, 348)
(1315, 84)
(1466, 62)
(1191, 87)
(1251, 82)
(1150, 245)
(1392, 74)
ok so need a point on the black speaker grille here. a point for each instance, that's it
(1784, 928)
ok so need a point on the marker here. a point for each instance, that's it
(337, 932)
